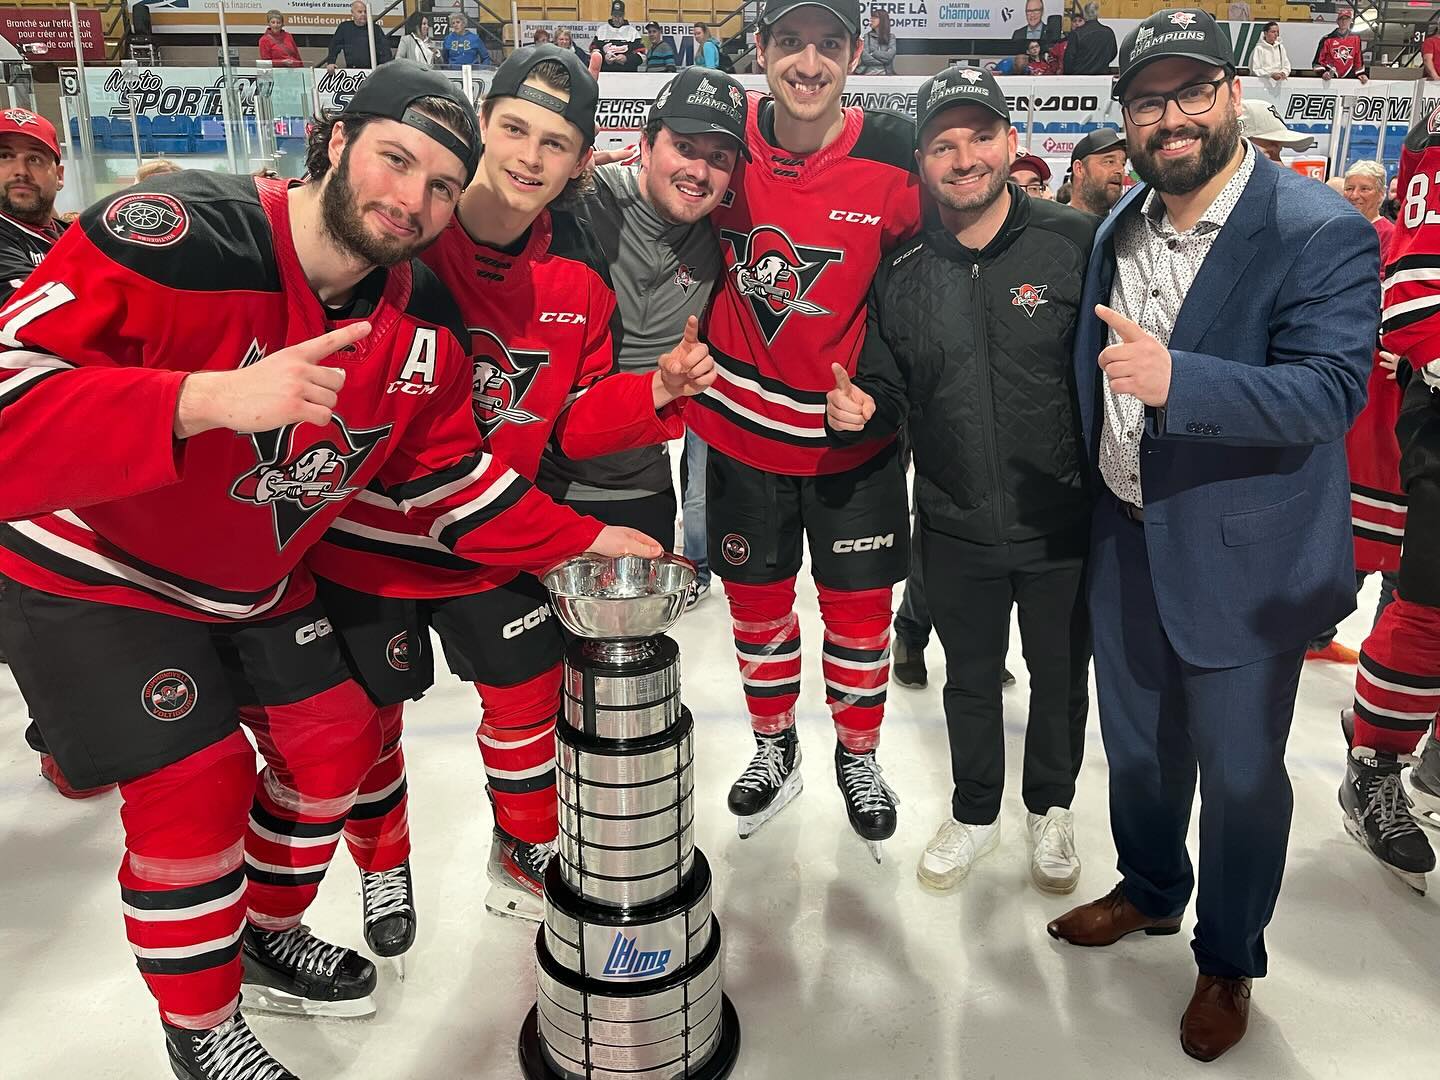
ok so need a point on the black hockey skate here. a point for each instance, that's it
(294, 973)
(869, 801)
(228, 1051)
(389, 897)
(1377, 814)
(517, 877)
(769, 782)
(1425, 785)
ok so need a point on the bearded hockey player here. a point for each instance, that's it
(828, 192)
(538, 305)
(194, 384)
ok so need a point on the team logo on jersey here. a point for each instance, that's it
(1344, 53)
(775, 275)
(169, 695)
(502, 379)
(685, 278)
(149, 218)
(397, 651)
(735, 548)
(1182, 19)
(295, 481)
(1028, 297)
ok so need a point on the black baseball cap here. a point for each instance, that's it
(510, 79)
(847, 11)
(703, 100)
(1184, 32)
(392, 88)
(958, 85)
(1097, 142)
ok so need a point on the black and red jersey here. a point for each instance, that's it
(543, 334)
(198, 272)
(22, 247)
(1341, 54)
(801, 237)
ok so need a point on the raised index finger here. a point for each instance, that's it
(1128, 329)
(318, 348)
(692, 331)
(842, 380)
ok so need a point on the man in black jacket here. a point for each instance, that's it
(352, 41)
(1091, 49)
(969, 345)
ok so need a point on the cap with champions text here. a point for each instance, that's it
(958, 85)
(1175, 32)
(699, 101)
(847, 11)
(510, 79)
(32, 125)
(394, 87)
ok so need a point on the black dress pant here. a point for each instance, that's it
(970, 589)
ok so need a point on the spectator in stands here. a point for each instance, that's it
(1034, 28)
(351, 41)
(1097, 169)
(1268, 59)
(1033, 175)
(1039, 61)
(878, 56)
(1390, 208)
(540, 37)
(618, 41)
(1430, 52)
(707, 50)
(158, 167)
(1340, 53)
(417, 43)
(1065, 193)
(1090, 49)
(462, 46)
(1260, 123)
(276, 44)
(659, 50)
(1365, 190)
(566, 40)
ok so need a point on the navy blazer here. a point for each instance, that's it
(1247, 504)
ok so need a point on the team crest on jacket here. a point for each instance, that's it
(774, 275)
(296, 480)
(148, 218)
(502, 379)
(1028, 297)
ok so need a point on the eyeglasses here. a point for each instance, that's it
(1195, 99)
(1034, 188)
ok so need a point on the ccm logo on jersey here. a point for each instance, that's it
(863, 543)
(854, 217)
(528, 622)
(573, 317)
(313, 631)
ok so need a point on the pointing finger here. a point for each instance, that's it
(1128, 329)
(842, 380)
(317, 349)
(692, 331)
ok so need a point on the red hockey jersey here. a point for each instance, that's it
(1344, 55)
(1410, 280)
(802, 237)
(542, 330)
(199, 272)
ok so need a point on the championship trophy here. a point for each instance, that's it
(630, 961)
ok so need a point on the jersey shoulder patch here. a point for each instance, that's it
(431, 302)
(887, 137)
(194, 231)
(571, 239)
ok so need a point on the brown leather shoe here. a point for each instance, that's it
(1107, 920)
(1216, 1018)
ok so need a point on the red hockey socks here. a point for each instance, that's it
(377, 832)
(767, 646)
(856, 659)
(1397, 684)
(517, 744)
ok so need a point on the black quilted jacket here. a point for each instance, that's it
(971, 351)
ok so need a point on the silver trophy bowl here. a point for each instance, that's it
(626, 597)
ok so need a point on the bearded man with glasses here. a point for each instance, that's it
(1235, 309)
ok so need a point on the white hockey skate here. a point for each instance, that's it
(769, 782)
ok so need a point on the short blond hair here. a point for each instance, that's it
(1372, 169)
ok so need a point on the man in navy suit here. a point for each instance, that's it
(1235, 307)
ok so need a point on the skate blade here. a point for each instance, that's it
(267, 999)
(749, 826)
(876, 851)
(510, 903)
(396, 964)
(1410, 878)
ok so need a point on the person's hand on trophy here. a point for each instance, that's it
(618, 540)
(685, 370)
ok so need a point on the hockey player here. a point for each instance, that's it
(829, 191)
(195, 382)
(538, 304)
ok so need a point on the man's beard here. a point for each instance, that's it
(344, 220)
(980, 200)
(39, 213)
(1217, 148)
(1095, 193)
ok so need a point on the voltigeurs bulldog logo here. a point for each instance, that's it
(169, 694)
(296, 480)
(774, 275)
(19, 117)
(502, 379)
(1028, 297)
(397, 651)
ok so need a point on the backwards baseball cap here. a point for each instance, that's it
(958, 85)
(1261, 120)
(510, 79)
(847, 11)
(1184, 32)
(1097, 142)
(703, 100)
(32, 125)
(393, 88)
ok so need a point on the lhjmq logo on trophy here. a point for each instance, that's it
(630, 961)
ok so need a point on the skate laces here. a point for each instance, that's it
(231, 1052)
(387, 893)
(767, 767)
(301, 950)
(533, 858)
(866, 783)
(1391, 806)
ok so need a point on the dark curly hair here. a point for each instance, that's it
(317, 140)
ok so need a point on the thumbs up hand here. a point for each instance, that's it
(687, 369)
(1139, 365)
(847, 407)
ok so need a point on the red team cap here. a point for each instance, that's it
(32, 125)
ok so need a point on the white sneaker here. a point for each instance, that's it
(953, 850)
(1054, 866)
